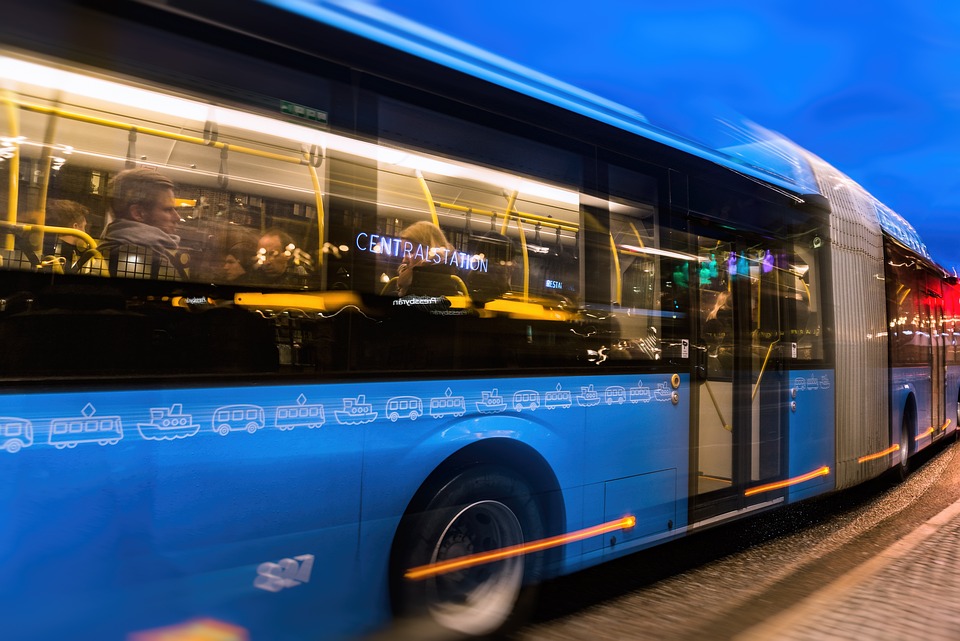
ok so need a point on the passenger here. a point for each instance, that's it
(279, 262)
(417, 274)
(239, 260)
(718, 333)
(144, 214)
(71, 215)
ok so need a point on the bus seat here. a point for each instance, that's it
(135, 261)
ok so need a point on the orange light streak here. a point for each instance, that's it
(872, 457)
(925, 434)
(473, 560)
(823, 471)
(946, 425)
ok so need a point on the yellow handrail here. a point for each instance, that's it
(616, 264)
(13, 181)
(526, 261)
(318, 195)
(543, 220)
(716, 406)
(763, 368)
(511, 202)
(429, 198)
(160, 133)
(61, 231)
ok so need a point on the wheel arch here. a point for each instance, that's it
(514, 455)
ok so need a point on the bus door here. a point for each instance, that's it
(738, 439)
(933, 311)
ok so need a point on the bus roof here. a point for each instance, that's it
(759, 152)
(763, 154)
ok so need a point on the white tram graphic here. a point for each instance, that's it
(356, 411)
(491, 402)
(404, 406)
(234, 418)
(526, 399)
(640, 393)
(447, 404)
(167, 424)
(15, 433)
(88, 428)
(301, 414)
(558, 398)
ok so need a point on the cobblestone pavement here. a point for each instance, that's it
(911, 590)
(872, 563)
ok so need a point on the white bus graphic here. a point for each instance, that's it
(526, 399)
(291, 416)
(233, 418)
(15, 433)
(67, 432)
(615, 394)
(404, 406)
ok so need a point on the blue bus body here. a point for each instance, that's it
(610, 336)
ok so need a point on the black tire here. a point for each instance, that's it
(906, 432)
(481, 509)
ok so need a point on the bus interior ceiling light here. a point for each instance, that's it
(31, 73)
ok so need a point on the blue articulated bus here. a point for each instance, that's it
(388, 330)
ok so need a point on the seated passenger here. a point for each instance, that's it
(71, 215)
(144, 216)
(279, 262)
(239, 260)
(419, 274)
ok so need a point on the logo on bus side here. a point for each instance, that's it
(285, 573)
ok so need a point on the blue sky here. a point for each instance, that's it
(873, 88)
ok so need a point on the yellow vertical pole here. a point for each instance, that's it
(429, 198)
(526, 261)
(618, 294)
(14, 171)
(318, 195)
(511, 202)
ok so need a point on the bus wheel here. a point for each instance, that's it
(482, 510)
(905, 431)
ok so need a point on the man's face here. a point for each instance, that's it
(163, 213)
(274, 256)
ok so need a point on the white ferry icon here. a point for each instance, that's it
(167, 424)
(491, 402)
(356, 411)
(588, 396)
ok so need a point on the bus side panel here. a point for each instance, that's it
(156, 517)
(907, 382)
(952, 399)
(583, 427)
(811, 429)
